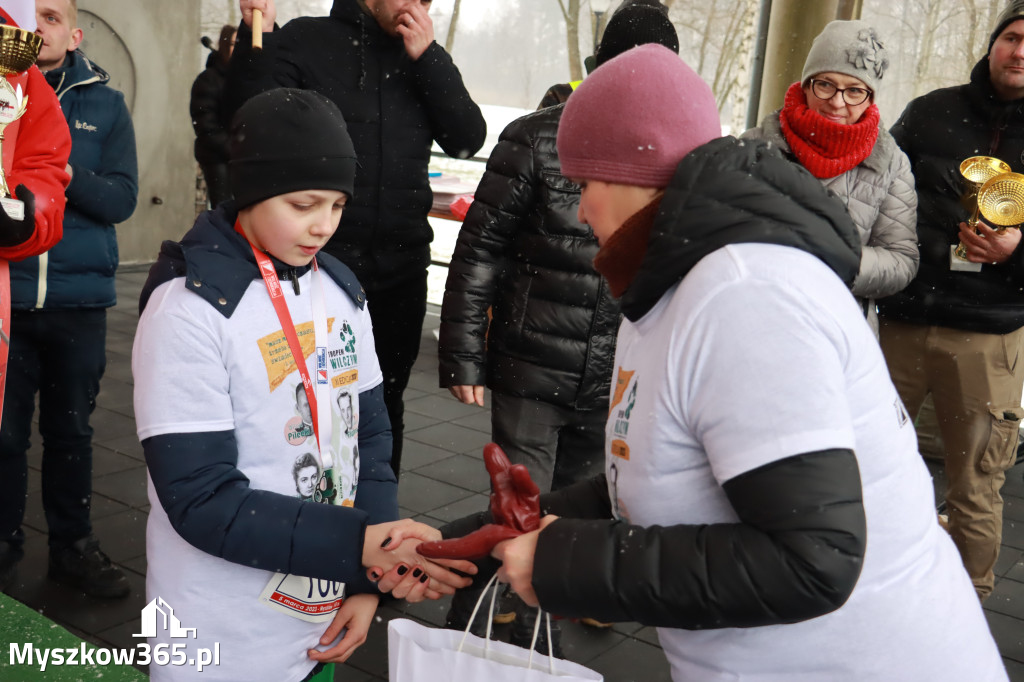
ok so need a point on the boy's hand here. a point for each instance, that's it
(269, 12)
(416, 30)
(354, 616)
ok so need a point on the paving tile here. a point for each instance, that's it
(1008, 558)
(111, 424)
(460, 508)
(101, 507)
(632, 661)
(1013, 508)
(414, 421)
(1007, 631)
(107, 461)
(128, 486)
(460, 470)
(416, 454)
(1013, 533)
(122, 536)
(116, 396)
(424, 381)
(422, 494)
(1008, 599)
(125, 445)
(480, 420)
(1016, 572)
(441, 407)
(451, 437)
(1014, 670)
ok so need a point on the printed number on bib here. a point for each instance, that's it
(309, 599)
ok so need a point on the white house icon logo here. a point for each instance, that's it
(159, 615)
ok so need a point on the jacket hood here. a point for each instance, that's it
(218, 264)
(77, 70)
(984, 97)
(730, 191)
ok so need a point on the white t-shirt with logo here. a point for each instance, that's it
(759, 354)
(196, 371)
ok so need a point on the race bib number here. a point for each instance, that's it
(309, 599)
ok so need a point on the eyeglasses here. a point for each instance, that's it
(827, 90)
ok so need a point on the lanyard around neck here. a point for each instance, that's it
(273, 284)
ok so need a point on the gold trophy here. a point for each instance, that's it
(977, 170)
(18, 51)
(1000, 203)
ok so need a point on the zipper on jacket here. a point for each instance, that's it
(294, 277)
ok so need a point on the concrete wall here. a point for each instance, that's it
(149, 50)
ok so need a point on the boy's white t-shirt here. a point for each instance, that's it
(196, 371)
(759, 354)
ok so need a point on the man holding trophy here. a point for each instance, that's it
(957, 330)
(58, 348)
(34, 146)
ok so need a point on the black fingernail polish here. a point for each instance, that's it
(424, 577)
(402, 570)
(387, 541)
(374, 575)
(416, 573)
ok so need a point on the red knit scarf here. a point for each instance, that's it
(824, 147)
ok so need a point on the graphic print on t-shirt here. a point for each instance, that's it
(620, 413)
(300, 427)
(277, 356)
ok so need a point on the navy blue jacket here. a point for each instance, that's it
(207, 498)
(79, 271)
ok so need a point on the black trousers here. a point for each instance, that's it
(397, 315)
(60, 354)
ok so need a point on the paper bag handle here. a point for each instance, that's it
(493, 583)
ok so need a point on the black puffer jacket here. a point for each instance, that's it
(394, 108)
(522, 251)
(207, 114)
(797, 549)
(938, 131)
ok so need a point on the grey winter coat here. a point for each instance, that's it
(880, 197)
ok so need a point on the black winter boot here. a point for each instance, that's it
(83, 564)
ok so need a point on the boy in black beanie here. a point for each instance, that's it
(278, 586)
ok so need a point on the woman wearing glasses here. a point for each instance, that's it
(830, 125)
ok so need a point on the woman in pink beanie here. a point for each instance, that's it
(763, 502)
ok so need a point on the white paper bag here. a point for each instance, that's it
(417, 653)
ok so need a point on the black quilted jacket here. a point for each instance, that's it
(522, 253)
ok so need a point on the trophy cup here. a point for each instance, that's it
(18, 51)
(976, 170)
(1000, 203)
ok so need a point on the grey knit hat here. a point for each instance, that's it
(853, 48)
(1012, 12)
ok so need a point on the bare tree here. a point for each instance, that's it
(571, 15)
(449, 41)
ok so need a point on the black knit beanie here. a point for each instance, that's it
(636, 23)
(1012, 12)
(288, 140)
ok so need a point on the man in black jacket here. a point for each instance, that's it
(957, 333)
(399, 92)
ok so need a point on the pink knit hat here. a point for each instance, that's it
(634, 118)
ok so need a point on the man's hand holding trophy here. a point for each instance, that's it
(996, 197)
